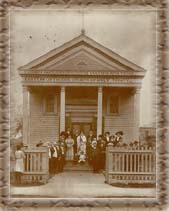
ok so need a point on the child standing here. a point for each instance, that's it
(19, 163)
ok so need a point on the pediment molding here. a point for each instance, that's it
(82, 55)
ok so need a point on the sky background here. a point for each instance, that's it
(131, 34)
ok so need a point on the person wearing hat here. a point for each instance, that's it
(107, 137)
(112, 140)
(68, 132)
(39, 144)
(118, 138)
(61, 156)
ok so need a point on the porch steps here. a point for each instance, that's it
(77, 167)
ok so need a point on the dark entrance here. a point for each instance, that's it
(81, 126)
(81, 109)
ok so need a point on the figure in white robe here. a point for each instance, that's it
(81, 144)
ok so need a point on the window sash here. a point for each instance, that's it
(113, 104)
(50, 104)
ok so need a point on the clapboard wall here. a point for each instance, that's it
(43, 127)
(124, 120)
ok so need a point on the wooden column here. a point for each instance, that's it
(62, 109)
(26, 115)
(136, 119)
(99, 110)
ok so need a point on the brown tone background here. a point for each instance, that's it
(162, 105)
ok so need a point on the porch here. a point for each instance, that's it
(50, 110)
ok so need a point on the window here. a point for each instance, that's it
(49, 104)
(113, 104)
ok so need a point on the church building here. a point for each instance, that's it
(82, 85)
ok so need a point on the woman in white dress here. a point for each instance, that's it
(19, 163)
(69, 148)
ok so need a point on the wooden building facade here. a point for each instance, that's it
(81, 85)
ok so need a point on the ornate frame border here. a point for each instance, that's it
(162, 104)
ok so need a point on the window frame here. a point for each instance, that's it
(108, 105)
(55, 105)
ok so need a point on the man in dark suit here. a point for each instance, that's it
(88, 146)
(107, 137)
(101, 144)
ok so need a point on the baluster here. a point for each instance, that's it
(118, 161)
(131, 162)
(113, 162)
(153, 161)
(122, 163)
(135, 162)
(26, 162)
(142, 162)
(149, 162)
(39, 162)
(127, 162)
(115, 159)
(146, 162)
(36, 161)
(31, 162)
(138, 162)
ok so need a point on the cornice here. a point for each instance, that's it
(79, 73)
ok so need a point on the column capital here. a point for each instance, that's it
(136, 90)
(62, 88)
(25, 88)
(100, 89)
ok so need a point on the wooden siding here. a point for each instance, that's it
(122, 121)
(44, 127)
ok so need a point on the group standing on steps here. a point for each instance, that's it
(77, 148)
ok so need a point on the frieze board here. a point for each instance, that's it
(53, 72)
(92, 81)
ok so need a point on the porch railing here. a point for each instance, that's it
(36, 165)
(130, 165)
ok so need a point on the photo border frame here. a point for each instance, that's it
(162, 104)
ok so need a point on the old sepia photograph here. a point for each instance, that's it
(83, 103)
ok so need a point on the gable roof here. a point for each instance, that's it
(80, 54)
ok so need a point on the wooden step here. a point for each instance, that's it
(77, 167)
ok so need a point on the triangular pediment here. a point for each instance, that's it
(82, 60)
(81, 54)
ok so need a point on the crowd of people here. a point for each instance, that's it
(76, 148)
(79, 148)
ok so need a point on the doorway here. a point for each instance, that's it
(81, 126)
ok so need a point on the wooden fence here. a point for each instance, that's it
(130, 165)
(36, 165)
